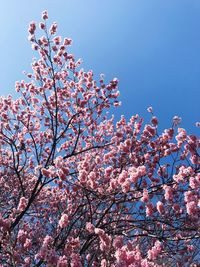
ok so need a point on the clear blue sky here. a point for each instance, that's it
(152, 46)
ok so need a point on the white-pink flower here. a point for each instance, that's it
(64, 220)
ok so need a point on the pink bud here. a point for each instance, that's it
(45, 15)
(42, 25)
(150, 109)
(53, 28)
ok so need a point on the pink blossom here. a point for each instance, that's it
(145, 196)
(47, 240)
(176, 120)
(134, 174)
(22, 236)
(76, 260)
(90, 227)
(42, 25)
(47, 172)
(168, 192)
(149, 209)
(32, 27)
(57, 40)
(67, 41)
(150, 109)
(126, 186)
(122, 177)
(154, 121)
(188, 196)
(62, 261)
(142, 170)
(53, 28)
(155, 251)
(191, 208)
(28, 243)
(195, 181)
(160, 207)
(45, 15)
(103, 263)
(118, 242)
(22, 203)
(62, 175)
(149, 130)
(182, 135)
(64, 220)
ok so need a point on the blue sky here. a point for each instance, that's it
(152, 46)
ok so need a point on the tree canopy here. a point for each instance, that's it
(78, 188)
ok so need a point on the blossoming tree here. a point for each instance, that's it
(78, 189)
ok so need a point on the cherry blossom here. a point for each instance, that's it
(78, 187)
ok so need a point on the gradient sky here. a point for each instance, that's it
(152, 46)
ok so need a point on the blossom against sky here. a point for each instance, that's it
(152, 47)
